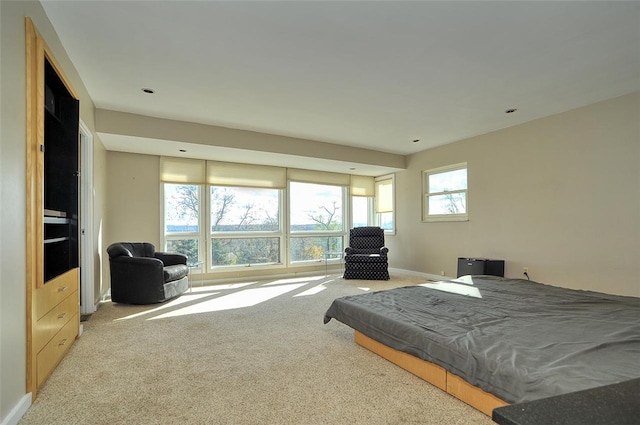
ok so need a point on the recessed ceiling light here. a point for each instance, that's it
(149, 91)
(510, 111)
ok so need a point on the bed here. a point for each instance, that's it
(493, 341)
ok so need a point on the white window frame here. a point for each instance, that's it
(166, 237)
(346, 212)
(210, 236)
(426, 217)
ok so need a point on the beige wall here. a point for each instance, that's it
(12, 209)
(259, 147)
(13, 188)
(559, 195)
(133, 198)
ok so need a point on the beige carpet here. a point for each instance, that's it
(250, 353)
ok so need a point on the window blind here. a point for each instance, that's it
(318, 177)
(362, 186)
(384, 196)
(246, 175)
(182, 170)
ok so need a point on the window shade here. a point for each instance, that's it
(318, 177)
(384, 196)
(245, 175)
(362, 186)
(182, 170)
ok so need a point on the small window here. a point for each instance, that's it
(445, 193)
(361, 211)
(384, 203)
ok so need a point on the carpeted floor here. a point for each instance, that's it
(244, 353)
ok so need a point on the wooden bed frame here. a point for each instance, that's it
(435, 375)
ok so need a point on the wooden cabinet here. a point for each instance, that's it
(52, 212)
(56, 327)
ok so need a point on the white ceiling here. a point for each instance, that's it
(373, 75)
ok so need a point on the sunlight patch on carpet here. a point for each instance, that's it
(221, 287)
(312, 291)
(294, 280)
(185, 298)
(241, 299)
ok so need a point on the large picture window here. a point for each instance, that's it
(445, 193)
(226, 215)
(316, 217)
(245, 226)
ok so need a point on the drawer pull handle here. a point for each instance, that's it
(63, 342)
(62, 315)
(62, 289)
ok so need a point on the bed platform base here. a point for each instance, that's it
(435, 375)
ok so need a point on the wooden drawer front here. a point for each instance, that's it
(54, 291)
(51, 323)
(53, 352)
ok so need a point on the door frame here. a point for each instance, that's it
(87, 275)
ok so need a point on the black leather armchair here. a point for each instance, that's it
(140, 275)
(366, 255)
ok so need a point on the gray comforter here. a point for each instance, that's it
(516, 339)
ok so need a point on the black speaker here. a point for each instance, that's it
(480, 266)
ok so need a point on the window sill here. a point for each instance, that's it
(440, 218)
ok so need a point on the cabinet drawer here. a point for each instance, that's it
(52, 322)
(53, 352)
(54, 291)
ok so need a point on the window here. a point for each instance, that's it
(245, 226)
(384, 202)
(445, 193)
(228, 215)
(361, 209)
(316, 216)
(362, 189)
(182, 220)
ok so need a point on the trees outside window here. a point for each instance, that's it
(241, 226)
(181, 220)
(245, 226)
(316, 216)
(445, 193)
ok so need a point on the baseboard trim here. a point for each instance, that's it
(428, 276)
(18, 411)
(226, 280)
